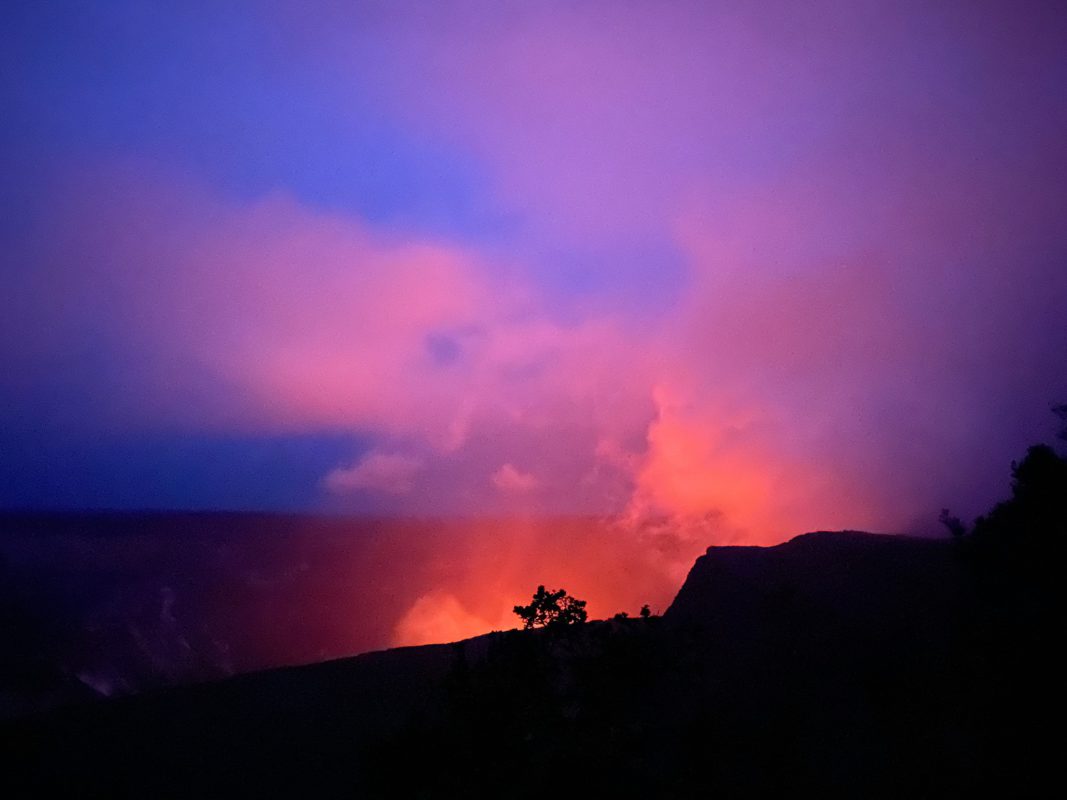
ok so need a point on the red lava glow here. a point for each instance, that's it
(439, 582)
(175, 598)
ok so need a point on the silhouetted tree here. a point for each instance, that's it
(1039, 478)
(953, 523)
(1035, 518)
(1061, 412)
(555, 608)
(646, 612)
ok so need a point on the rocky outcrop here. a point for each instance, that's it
(823, 579)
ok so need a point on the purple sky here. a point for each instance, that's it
(779, 266)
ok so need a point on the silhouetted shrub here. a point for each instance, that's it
(646, 612)
(953, 523)
(1061, 412)
(555, 608)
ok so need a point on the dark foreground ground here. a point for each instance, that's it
(837, 662)
(131, 602)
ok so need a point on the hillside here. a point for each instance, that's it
(124, 603)
(839, 661)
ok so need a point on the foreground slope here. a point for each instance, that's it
(847, 662)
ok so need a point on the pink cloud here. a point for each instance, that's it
(510, 479)
(855, 300)
(802, 380)
(392, 473)
(267, 317)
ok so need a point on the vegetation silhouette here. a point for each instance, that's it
(838, 663)
(644, 613)
(552, 609)
(1029, 528)
(953, 523)
(1061, 412)
(1032, 524)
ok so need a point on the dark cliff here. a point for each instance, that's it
(868, 584)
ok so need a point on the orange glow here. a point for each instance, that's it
(438, 617)
(432, 582)
(693, 468)
(700, 464)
